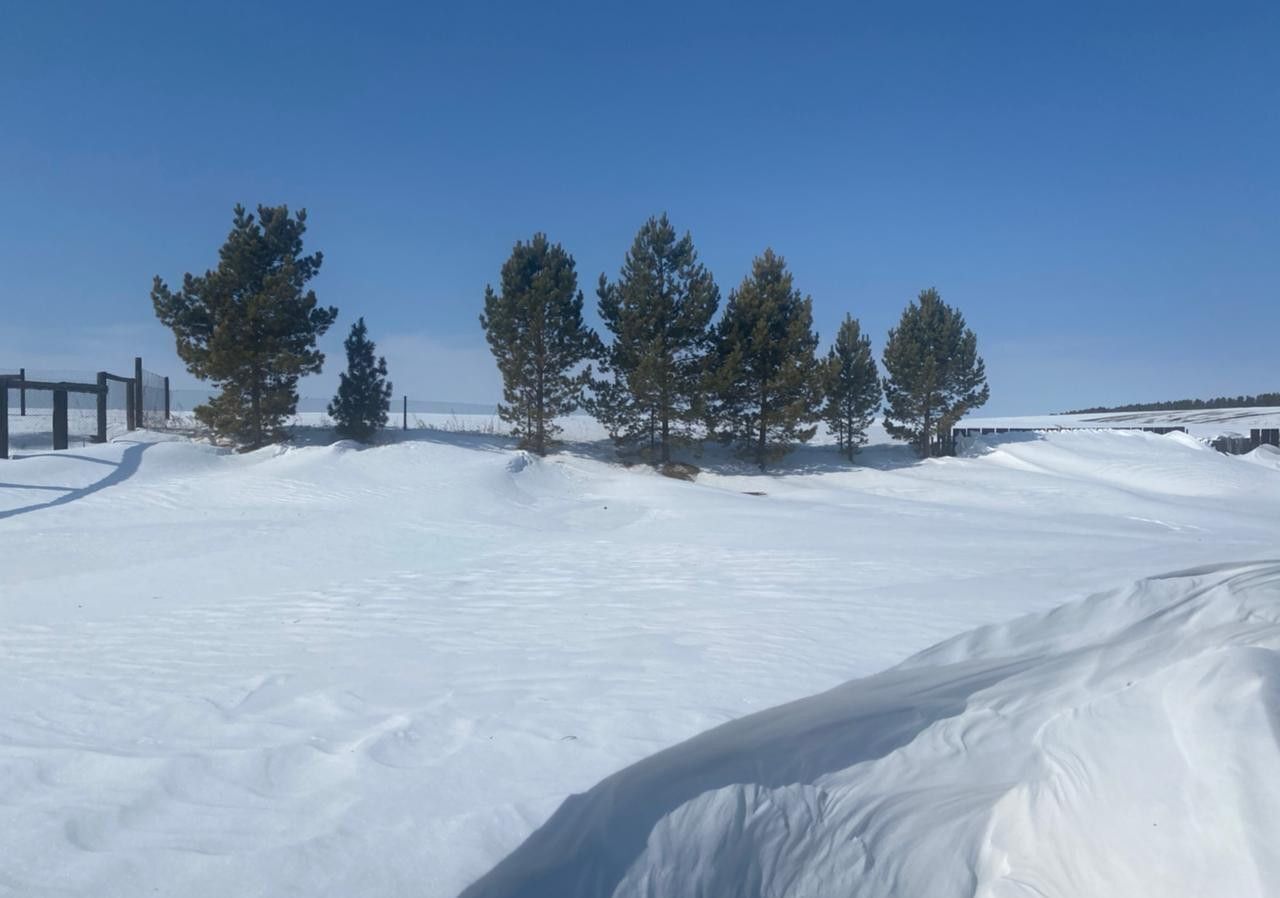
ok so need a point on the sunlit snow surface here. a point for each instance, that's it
(333, 671)
(1123, 746)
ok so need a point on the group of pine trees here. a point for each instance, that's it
(671, 371)
(250, 326)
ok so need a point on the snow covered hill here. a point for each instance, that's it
(332, 671)
(1125, 745)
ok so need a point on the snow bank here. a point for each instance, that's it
(325, 671)
(1121, 746)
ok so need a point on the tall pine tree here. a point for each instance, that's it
(250, 325)
(851, 386)
(934, 373)
(360, 407)
(534, 327)
(765, 378)
(659, 312)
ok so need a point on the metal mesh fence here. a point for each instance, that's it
(117, 409)
(31, 417)
(32, 411)
(154, 402)
(136, 390)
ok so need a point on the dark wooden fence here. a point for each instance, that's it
(985, 431)
(135, 401)
(1266, 436)
(947, 445)
(1231, 445)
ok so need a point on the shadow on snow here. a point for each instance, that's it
(119, 473)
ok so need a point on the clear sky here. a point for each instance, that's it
(1096, 185)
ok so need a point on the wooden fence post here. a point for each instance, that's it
(130, 406)
(102, 408)
(166, 399)
(405, 414)
(4, 418)
(59, 419)
(137, 385)
(22, 392)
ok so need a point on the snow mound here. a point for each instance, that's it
(1267, 456)
(1121, 746)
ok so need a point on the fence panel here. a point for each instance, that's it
(154, 394)
(34, 431)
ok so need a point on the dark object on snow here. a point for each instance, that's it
(679, 471)
(1234, 444)
(1266, 436)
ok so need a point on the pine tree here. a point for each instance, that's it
(659, 313)
(360, 407)
(852, 387)
(535, 330)
(765, 378)
(934, 373)
(249, 325)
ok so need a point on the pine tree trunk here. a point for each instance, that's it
(540, 440)
(666, 438)
(255, 410)
(760, 442)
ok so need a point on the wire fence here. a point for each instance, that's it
(31, 410)
(42, 408)
(153, 392)
(66, 408)
(408, 414)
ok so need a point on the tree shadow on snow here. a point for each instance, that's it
(717, 458)
(327, 436)
(119, 473)
(976, 447)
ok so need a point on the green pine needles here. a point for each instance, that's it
(935, 375)
(360, 407)
(533, 323)
(250, 325)
(851, 387)
(765, 382)
(659, 312)
(668, 374)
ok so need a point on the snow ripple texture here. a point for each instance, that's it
(1125, 745)
(330, 671)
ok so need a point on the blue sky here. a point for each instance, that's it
(1096, 185)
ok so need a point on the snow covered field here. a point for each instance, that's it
(332, 671)
(1121, 746)
(1204, 423)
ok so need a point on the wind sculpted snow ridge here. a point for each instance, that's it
(1125, 745)
(329, 671)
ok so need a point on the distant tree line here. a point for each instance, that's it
(1262, 400)
(667, 371)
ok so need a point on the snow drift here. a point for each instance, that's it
(1123, 745)
(327, 672)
